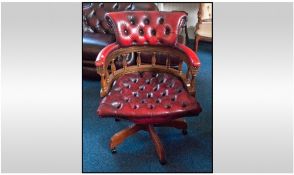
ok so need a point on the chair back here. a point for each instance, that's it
(146, 27)
(151, 32)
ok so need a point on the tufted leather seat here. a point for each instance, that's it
(148, 97)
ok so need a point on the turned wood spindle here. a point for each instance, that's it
(107, 75)
(113, 68)
(193, 82)
(124, 60)
(193, 78)
(180, 67)
(139, 59)
(153, 58)
(188, 75)
(167, 62)
(103, 82)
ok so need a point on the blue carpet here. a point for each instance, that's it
(190, 153)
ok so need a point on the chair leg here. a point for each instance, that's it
(178, 123)
(196, 43)
(119, 137)
(158, 145)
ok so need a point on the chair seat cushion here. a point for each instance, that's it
(148, 97)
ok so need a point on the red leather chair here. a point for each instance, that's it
(147, 93)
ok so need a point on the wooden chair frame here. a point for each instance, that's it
(109, 72)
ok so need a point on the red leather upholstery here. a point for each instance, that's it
(148, 97)
(146, 27)
(192, 56)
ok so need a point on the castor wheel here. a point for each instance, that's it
(117, 120)
(162, 162)
(185, 132)
(113, 150)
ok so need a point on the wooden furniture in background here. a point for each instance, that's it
(204, 25)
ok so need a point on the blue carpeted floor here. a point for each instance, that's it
(190, 153)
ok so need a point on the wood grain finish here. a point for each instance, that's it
(109, 72)
(157, 143)
(119, 137)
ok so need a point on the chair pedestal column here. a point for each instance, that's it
(119, 137)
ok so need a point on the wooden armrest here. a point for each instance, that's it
(104, 53)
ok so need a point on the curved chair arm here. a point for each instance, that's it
(104, 53)
(194, 60)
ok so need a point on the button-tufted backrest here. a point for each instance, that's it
(94, 14)
(146, 27)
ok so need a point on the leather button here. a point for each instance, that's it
(130, 7)
(161, 20)
(146, 21)
(149, 95)
(173, 98)
(117, 105)
(126, 32)
(115, 6)
(142, 87)
(141, 32)
(134, 80)
(167, 30)
(156, 88)
(153, 32)
(132, 20)
(164, 93)
(158, 101)
(150, 106)
(135, 94)
(127, 100)
(171, 85)
(101, 5)
(162, 81)
(127, 85)
(154, 74)
(167, 106)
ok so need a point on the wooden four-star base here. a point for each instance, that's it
(119, 137)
